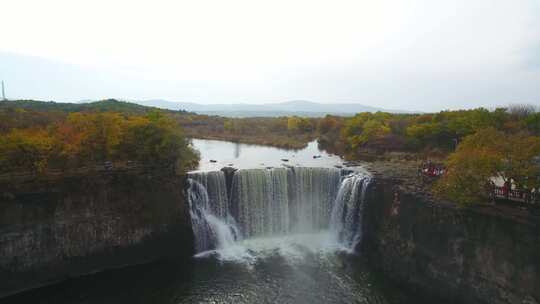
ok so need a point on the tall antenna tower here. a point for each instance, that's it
(3, 92)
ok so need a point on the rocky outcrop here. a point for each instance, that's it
(460, 255)
(52, 229)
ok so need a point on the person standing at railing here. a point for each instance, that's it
(506, 189)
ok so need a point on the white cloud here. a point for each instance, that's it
(389, 52)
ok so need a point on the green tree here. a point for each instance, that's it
(158, 141)
(533, 123)
(486, 154)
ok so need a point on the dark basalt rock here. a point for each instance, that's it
(51, 230)
(460, 255)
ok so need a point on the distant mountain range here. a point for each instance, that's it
(295, 107)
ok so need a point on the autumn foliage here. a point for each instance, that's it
(417, 132)
(487, 154)
(480, 144)
(285, 132)
(81, 139)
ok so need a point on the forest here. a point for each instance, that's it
(475, 145)
(282, 132)
(59, 139)
(38, 136)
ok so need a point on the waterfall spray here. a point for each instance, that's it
(276, 202)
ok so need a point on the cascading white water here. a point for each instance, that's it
(281, 201)
(212, 225)
(346, 218)
(216, 189)
(313, 191)
(276, 202)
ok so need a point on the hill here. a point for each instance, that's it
(288, 108)
(108, 105)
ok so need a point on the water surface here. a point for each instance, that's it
(292, 266)
(296, 269)
(244, 156)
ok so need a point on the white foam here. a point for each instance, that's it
(290, 213)
(294, 247)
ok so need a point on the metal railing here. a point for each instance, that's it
(524, 196)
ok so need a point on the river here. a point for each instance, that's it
(216, 154)
(275, 235)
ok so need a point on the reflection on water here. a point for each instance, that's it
(236, 150)
(217, 154)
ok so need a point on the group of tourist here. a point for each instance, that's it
(431, 169)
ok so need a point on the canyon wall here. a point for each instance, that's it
(485, 254)
(56, 228)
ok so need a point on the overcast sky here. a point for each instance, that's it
(412, 55)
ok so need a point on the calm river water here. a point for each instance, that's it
(217, 154)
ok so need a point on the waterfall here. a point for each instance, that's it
(212, 225)
(275, 202)
(216, 189)
(346, 218)
(313, 191)
(283, 200)
(261, 201)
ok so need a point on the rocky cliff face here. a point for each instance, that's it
(478, 255)
(54, 229)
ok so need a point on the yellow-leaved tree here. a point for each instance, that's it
(25, 150)
(487, 154)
